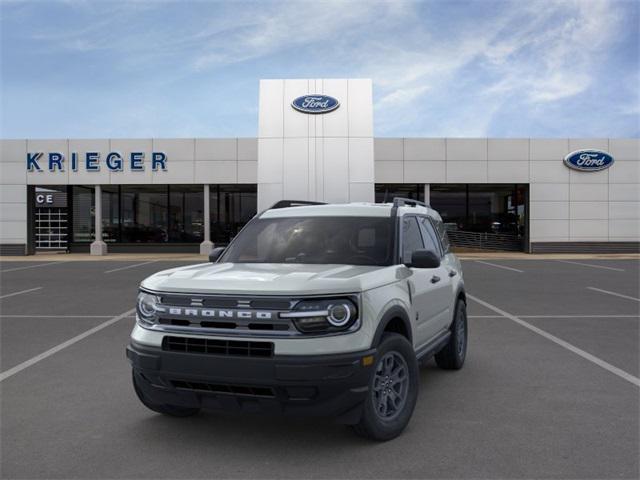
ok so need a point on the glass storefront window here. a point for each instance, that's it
(83, 212)
(385, 192)
(186, 213)
(144, 214)
(497, 208)
(232, 206)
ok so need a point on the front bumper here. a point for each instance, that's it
(310, 385)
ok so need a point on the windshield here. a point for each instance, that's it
(341, 240)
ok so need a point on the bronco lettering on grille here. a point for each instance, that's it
(215, 313)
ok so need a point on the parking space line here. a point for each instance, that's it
(33, 266)
(572, 348)
(604, 267)
(59, 316)
(614, 294)
(500, 266)
(130, 266)
(32, 361)
(20, 292)
(551, 316)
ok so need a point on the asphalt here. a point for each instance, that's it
(522, 407)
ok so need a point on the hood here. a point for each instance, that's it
(270, 278)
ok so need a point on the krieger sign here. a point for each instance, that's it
(91, 161)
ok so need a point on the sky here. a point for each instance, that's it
(96, 69)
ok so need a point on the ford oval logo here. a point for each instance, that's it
(315, 104)
(588, 160)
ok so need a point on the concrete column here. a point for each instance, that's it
(206, 246)
(427, 193)
(98, 247)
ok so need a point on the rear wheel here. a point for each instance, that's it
(393, 390)
(171, 410)
(452, 356)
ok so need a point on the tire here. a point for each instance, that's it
(171, 410)
(385, 415)
(452, 356)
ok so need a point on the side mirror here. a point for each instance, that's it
(424, 259)
(216, 253)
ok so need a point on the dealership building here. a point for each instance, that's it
(315, 142)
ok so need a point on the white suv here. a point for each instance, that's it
(312, 309)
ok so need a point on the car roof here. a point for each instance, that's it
(347, 210)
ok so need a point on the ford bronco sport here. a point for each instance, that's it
(312, 309)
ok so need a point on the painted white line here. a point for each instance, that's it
(33, 266)
(59, 316)
(500, 266)
(572, 348)
(130, 266)
(604, 267)
(553, 316)
(578, 316)
(614, 294)
(20, 292)
(32, 361)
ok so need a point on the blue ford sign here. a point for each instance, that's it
(315, 104)
(588, 160)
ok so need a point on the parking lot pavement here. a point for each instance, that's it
(525, 405)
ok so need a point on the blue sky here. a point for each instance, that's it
(93, 69)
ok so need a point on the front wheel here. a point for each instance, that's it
(171, 410)
(452, 356)
(393, 390)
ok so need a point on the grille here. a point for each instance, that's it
(226, 302)
(248, 390)
(218, 347)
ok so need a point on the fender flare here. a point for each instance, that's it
(395, 311)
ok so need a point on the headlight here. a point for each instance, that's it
(146, 308)
(324, 316)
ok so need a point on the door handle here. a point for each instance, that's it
(452, 273)
(435, 279)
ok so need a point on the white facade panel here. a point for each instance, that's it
(13, 212)
(247, 149)
(360, 192)
(181, 149)
(548, 172)
(508, 149)
(270, 109)
(13, 151)
(625, 148)
(595, 192)
(388, 149)
(420, 149)
(549, 210)
(548, 148)
(424, 172)
(336, 167)
(270, 165)
(13, 231)
(360, 104)
(581, 143)
(13, 173)
(216, 172)
(360, 160)
(624, 229)
(183, 172)
(467, 172)
(624, 210)
(624, 192)
(625, 172)
(576, 176)
(588, 230)
(466, 149)
(549, 192)
(295, 174)
(588, 211)
(549, 230)
(389, 172)
(212, 149)
(295, 123)
(337, 122)
(247, 172)
(13, 194)
(508, 171)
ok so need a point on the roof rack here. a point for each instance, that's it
(294, 203)
(401, 202)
